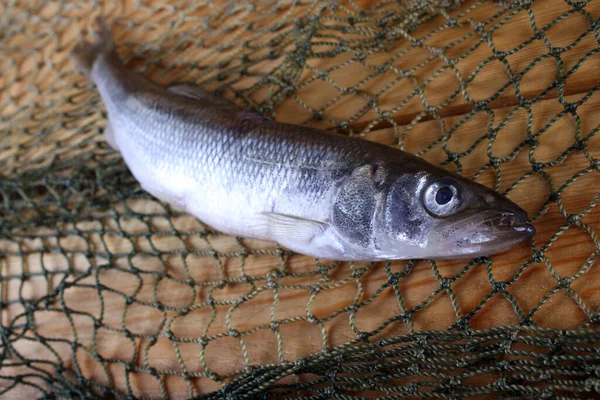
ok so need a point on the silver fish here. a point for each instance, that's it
(314, 192)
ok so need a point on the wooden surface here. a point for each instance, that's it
(300, 337)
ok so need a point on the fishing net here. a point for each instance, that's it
(107, 292)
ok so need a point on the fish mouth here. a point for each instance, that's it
(485, 233)
(510, 221)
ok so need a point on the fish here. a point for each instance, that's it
(315, 192)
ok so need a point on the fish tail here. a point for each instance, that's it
(85, 53)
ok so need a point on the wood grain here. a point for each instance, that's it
(297, 333)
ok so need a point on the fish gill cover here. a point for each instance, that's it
(104, 291)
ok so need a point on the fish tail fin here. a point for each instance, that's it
(85, 53)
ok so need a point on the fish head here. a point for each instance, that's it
(434, 214)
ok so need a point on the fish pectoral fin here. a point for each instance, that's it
(290, 229)
(198, 93)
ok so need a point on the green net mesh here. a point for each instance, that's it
(107, 292)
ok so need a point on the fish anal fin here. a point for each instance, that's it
(109, 136)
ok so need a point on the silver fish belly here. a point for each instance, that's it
(317, 193)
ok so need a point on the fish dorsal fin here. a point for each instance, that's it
(288, 228)
(198, 93)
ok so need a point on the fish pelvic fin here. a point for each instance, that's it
(85, 53)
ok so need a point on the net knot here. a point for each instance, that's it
(555, 51)
(461, 324)
(444, 283)
(501, 55)
(526, 321)
(571, 107)
(482, 260)
(322, 269)
(453, 157)
(532, 140)
(405, 316)
(539, 34)
(272, 284)
(452, 23)
(579, 145)
(572, 219)
(479, 27)
(357, 273)
(30, 307)
(499, 286)
(363, 336)
(564, 283)
(394, 278)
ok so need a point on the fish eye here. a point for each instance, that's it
(442, 198)
(443, 195)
